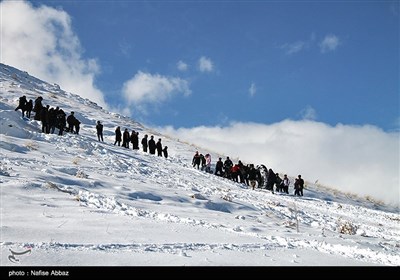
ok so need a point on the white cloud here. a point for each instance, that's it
(145, 88)
(125, 48)
(182, 66)
(308, 113)
(358, 159)
(41, 41)
(329, 43)
(205, 64)
(252, 89)
(294, 47)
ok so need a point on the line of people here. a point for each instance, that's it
(149, 145)
(56, 118)
(248, 174)
(51, 118)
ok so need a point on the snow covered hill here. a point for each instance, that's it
(71, 200)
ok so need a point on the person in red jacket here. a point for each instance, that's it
(235, 171)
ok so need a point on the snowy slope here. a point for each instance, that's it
(71, 200)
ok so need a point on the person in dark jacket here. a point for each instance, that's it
(252, 176)
(203, 162)
(29, 107)
(61, 122)
(152, 145)
(159, 147)
(278, 183)
(38, 108)
(135, 140)
(271, 180)
(227, 167)
(118, 136)
(45, 119)
(50, 119)
(145, 143)
(77, 126)
(99, 128)
(241, 171)
(165, 151)
(196, 160)
(125, 139)
(298, 186)
(22, 105)
(245, 170)
(52, 116)
(218, 167)
(71, 121)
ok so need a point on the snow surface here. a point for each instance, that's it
(73, 201)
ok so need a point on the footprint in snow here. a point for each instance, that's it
(238, 229)
(183, 254)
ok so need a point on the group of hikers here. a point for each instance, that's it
(52, 118)
(147, 144)
(247, 174)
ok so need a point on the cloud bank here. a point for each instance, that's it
(363, 160)
(145, 88)
(40, 41)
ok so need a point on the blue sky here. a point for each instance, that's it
(262, 61)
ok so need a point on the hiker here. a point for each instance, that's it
(152, 145)
(286, 183)
(118, 136)
(159, 147)
(125, 138)
(165, 151)
(196, 160)
(71, 121)
(298, 186)
(99, 128)
(22, 105)
(144, 143)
